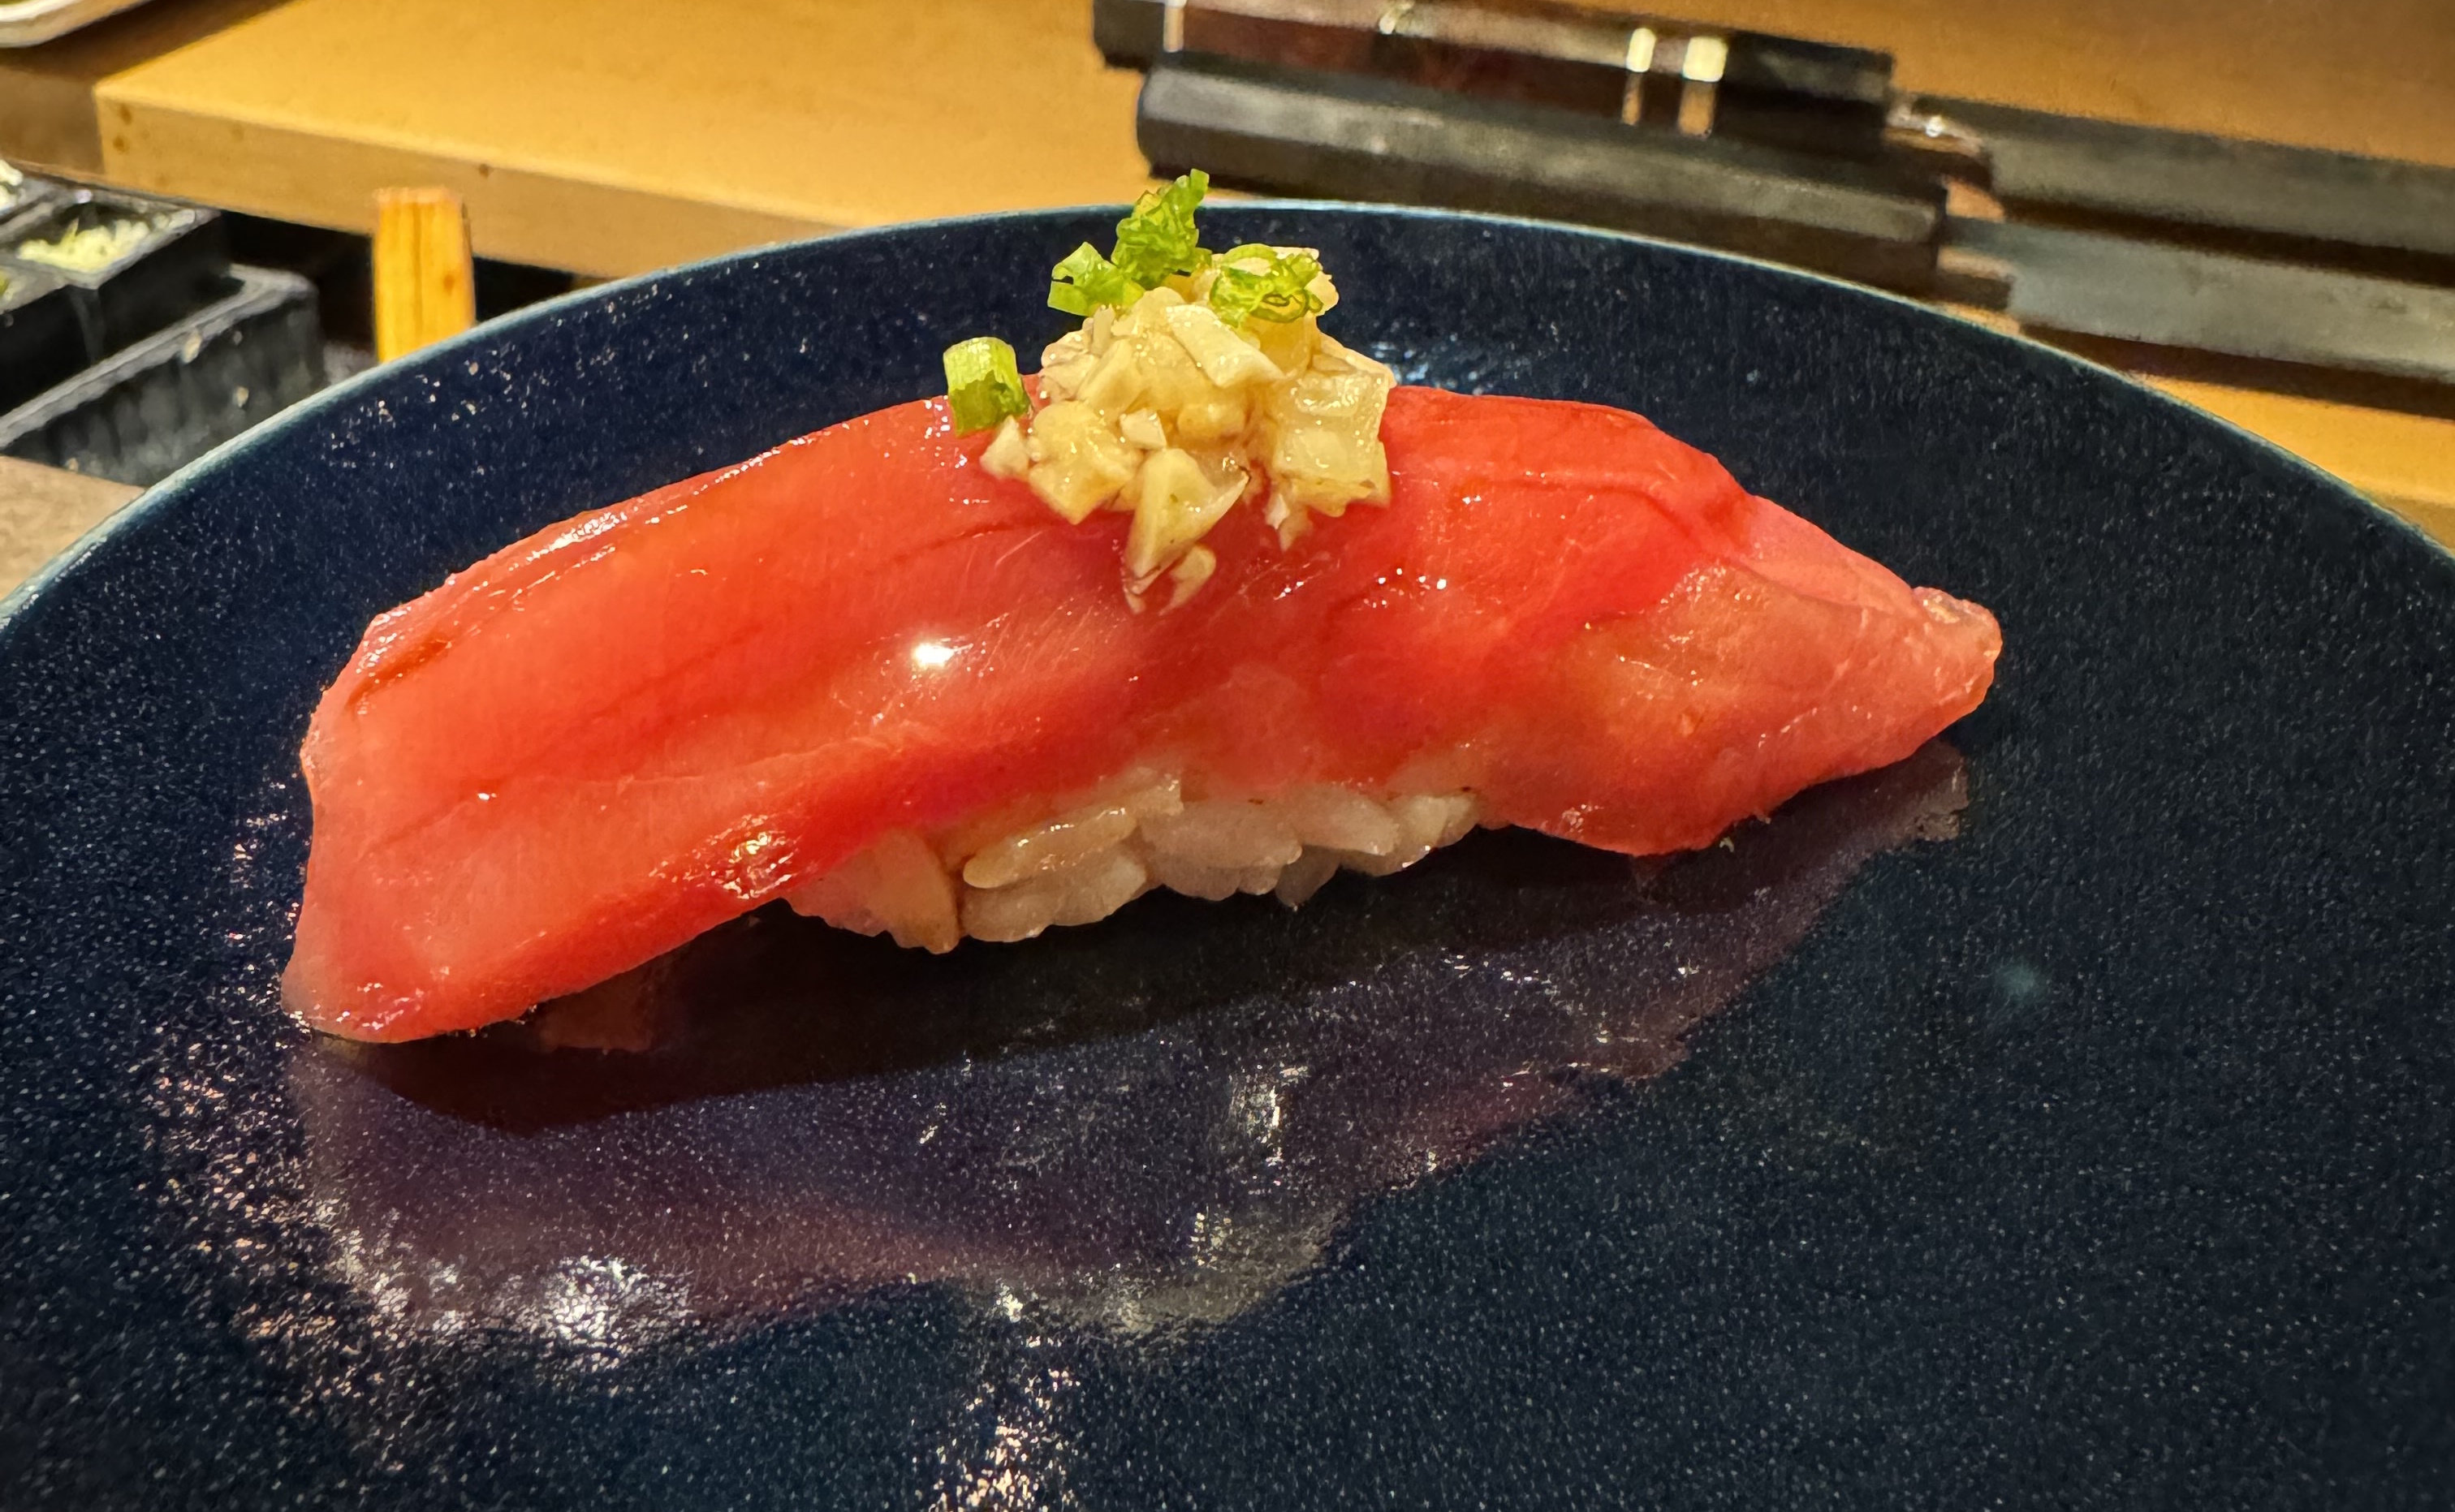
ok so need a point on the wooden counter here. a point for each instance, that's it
(606, 138)
(42, 512)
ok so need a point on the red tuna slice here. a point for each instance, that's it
(608, 737)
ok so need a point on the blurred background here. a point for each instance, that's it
(214, 208)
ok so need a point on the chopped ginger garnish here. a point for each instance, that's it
(1179, 400)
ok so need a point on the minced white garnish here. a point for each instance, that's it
(1164, 410)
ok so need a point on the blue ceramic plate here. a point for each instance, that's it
(2064, 1116)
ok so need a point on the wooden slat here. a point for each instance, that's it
(425, 288)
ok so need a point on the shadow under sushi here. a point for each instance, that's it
(1158, 1119)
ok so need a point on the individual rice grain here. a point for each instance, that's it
(1082, 894)
(1224, 833)
(1192, 878)
(1072, 837)
(1434, 819)
(1339, 818)
(895, 887)
(1305, 877)
(1210, 883)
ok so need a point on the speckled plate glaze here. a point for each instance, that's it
(2065, 1116)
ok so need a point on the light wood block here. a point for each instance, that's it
(47, 107)
(613, 137)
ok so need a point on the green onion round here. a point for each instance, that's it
(982, 384)
(1281, 291)
(1086, 280)
(1158, 238)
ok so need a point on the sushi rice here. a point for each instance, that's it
(1101, 851)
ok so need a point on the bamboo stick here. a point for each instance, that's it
(424, 287)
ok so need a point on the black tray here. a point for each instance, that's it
(146, 410)
(181, 267)
(42, 338)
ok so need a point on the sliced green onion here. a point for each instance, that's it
(1086, 280)
(982, 385)
(1280, 291)
(1158, 239)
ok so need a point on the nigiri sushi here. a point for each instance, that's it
(1211, 605)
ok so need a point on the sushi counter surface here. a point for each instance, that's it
(734, 123)
(44, 510)
(2405, 462)
(604, 139)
